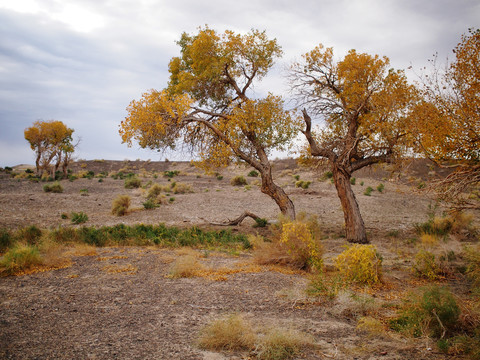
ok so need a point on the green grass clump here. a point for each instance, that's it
(20, 258)
(56, 187)
(120, 205)
(432, 311)
(29, 234)
(253, 173)
(260, 222)
(171, 174)
(238, 181)
(280, 344)
(149, 204)
(6, 239)
(380, 188)
(368, 191)
(302, 184)
(132, 183)
(353, 181)
(78, 218)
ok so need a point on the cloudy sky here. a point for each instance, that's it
(83, 61)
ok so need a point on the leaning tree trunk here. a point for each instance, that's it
(277, 194)
(354, 225)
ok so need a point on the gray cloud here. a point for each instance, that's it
(52, 69)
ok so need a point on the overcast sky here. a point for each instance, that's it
(83, 61)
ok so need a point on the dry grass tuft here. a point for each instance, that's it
(373, 327)
(120, 205)
(186, 266)
(279, 344)
(230, 333)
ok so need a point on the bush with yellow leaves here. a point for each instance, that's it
(360, 264)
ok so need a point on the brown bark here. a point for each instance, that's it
(238, 220)
(277, 194)
(354, 225)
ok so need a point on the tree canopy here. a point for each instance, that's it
(209, 108)
(448, 120)
(52, 142)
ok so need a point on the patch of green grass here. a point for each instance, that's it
(19, 258)
(29, 234)
(171, 173)
(380, 188)
(368, 191)
(78, 218)
(56, 187)
(253, 173)
(132, 183)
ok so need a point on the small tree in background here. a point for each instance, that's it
(363, 105)
(208, 107)
(52, 143)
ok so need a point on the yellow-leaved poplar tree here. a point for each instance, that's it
(448, 121)
(362, 104)
(53, 143)
(209, 108)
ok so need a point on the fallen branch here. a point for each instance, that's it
(238, 220)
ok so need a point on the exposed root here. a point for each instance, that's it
(238, 220)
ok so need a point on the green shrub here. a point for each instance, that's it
(368, 191)
(19, 258)
(132, 183)
(219, 177)
(380, 188)
(6, 239)
(327, 175)
(362, 183)
(260, 222)
(238, 181)
(84, 192)
(170, 174)
(432, 311)
(120, 205)
(360, 264)
(55, 187)
(149, 204)
(353, 180)
(302, 184)
(253, 173)
(30, 234)
(79, 218)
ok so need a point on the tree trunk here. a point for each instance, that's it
(354, 225)
(277, 193)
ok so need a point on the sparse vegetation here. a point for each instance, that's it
(56, 187)
(78, 218)
(360, 264)
(132, 183)
(253, 173)
(120, 205)
(368, 191)
(238, 181)
(302, 184)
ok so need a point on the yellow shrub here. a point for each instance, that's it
(429, 240)
(360, 264)
(120, 205)
(371, 326)
(425, 265)
(301, 244)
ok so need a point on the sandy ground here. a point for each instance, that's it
(88, 311)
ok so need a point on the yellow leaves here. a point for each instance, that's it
(153, 120)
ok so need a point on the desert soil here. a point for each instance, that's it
(121, 304)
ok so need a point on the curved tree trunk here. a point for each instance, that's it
(354, 225)
(277, 193)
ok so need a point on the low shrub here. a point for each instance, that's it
(6, 239)
(171, 174)
(368, 191)
(84, 192)
(238, 181)
(56, 187)
(432, 311)
(353, 181)
(294, 244)
(132, 183)
(29, 234)
(181, 188)
(219, 177)
(185, 266)
(230, 333)
(149, 204)
(302, 184)
(380, 188)
(373, 327)
(327, 175)
(360, 264)
(120, 205)
(20, 258)
(78, 218)
(278, 344)
(472, 255)
(253, 173)
(260, 222)
(425, 265)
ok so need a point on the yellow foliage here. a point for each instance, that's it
(360, 264)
